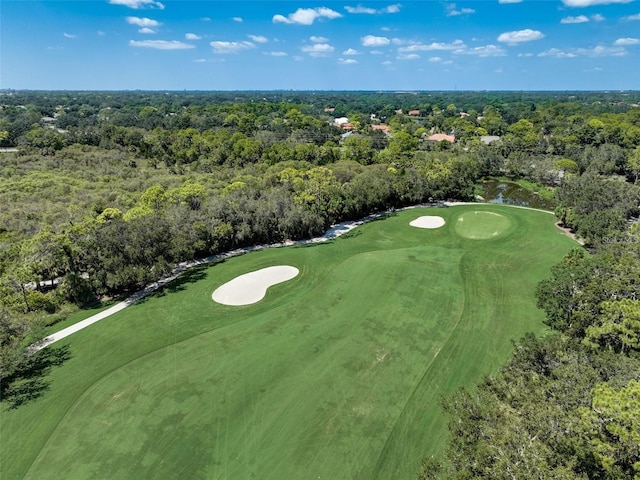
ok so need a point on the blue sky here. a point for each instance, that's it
(320, 45)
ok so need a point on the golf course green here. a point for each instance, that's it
(336, 373)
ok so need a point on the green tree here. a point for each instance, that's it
(613, 423)
(44, 256)
(190, 194)
(633, 163)
(358, 148)
(617, 327)
(153, 198)
(45, 140)
(17, 333)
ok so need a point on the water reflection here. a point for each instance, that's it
(513, 194)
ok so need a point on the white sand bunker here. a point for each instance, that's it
(428, 221)
(252, 287)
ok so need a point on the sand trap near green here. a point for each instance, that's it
(428, 221)
(252, 287)
(481, 225)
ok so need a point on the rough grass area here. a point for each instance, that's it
(337, 373)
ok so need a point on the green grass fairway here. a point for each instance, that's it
(336, 374)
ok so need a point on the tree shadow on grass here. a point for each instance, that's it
(29, 381)
(191, 275)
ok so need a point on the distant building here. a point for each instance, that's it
(383, 127)
(330, 109)
(439, 137)
(487, 139)
(346, 135)
(340, 121)
(414, 112)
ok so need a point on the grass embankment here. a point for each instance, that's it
(337, 373)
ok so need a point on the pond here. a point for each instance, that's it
(513, 194)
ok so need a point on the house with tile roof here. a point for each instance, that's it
(439, 137)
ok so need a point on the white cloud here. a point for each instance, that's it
(222, 47)
(347, 61)
(395, 8)
(484, 51)
(100, 33)
(632, 18)
(578, 19)
(351, 51)
(590, 3)
(276, 54)
(69, 35)
(161, 44)
(376, 52)
(237, 19)
(315, 39)
(146, 30)
(306, 16)
(520, 36)
(509, 1)
(361, 9)
(421, 47)
(408, 56)
(200, 60)
(599, 51)
(435, 59)
(143, 22)
(452, 12)
(258, 38)
(557, 53)
(318, 49)
(192, 36)
(602, 51)
(136, 4)
(387, 62)
(373, 41)
(597, 18)
(627, 41)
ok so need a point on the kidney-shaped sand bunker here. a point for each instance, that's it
(252, 287)
(428, 221)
